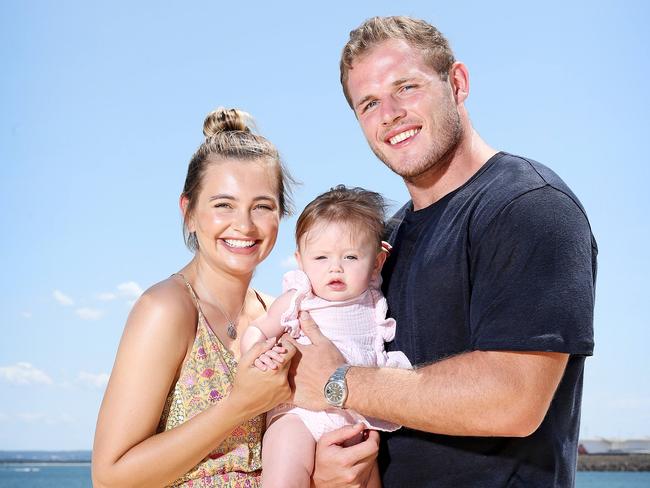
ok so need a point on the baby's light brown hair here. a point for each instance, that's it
(362, 209)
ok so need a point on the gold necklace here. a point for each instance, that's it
(231, 328)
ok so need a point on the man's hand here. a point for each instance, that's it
(337, 466)
(312, 366)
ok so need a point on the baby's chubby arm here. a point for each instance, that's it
(268, 325)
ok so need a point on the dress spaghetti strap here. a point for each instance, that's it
(260, 299)
(192, 293)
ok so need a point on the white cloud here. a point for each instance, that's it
(45, 418)
(24, 374)
(106, 296)
(130, 289)
(289, 262)
(62, 298)
(27, 314)
(93, 380)
(31, 417)
(89, 313)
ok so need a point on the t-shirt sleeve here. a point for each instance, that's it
(533, 273)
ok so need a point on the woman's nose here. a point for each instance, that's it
(243, 222)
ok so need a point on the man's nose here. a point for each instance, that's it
(391, 111)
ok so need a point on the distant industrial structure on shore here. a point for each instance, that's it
(603, 445)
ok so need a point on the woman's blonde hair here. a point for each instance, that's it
(228, 135)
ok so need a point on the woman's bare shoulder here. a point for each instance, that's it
(166, 307)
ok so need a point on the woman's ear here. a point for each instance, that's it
(184, 203)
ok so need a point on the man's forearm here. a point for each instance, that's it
(477, 393)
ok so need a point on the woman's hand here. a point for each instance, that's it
(257, 390)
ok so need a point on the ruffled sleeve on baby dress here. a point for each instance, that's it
(385, 330)
(297, 281)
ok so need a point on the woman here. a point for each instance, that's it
(182, 407)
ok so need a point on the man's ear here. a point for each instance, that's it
(459, 80)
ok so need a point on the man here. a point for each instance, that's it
(491, 281)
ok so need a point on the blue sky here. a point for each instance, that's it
(102, 106)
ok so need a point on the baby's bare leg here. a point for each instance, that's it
(375, 479)
(288, 451)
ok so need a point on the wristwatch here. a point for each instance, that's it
(336, 388)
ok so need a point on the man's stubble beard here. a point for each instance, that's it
(450, 134)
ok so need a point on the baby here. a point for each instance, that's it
(340, 255)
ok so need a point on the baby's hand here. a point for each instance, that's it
(272, 358)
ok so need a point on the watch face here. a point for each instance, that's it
(334, 392)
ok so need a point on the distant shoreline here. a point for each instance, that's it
(586, 462)
(614, 462)
(42, 463)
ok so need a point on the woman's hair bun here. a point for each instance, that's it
(225, 120)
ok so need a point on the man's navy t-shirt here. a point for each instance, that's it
(506, 262)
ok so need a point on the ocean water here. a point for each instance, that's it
(37, 475)
(78, 476)
(612, 479)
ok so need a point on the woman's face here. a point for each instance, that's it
(237, 215)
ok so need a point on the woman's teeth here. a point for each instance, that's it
(237, 243)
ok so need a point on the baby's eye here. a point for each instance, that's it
(351, 256)
(320, 257)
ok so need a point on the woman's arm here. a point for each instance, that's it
(158, 334)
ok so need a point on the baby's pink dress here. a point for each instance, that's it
(358, 327)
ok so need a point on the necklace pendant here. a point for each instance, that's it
(231, 331)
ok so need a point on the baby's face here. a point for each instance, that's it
(339, 260)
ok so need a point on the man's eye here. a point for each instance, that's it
(369, 105)
(222, 205)
(408, 87)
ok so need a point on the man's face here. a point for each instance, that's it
(407, 113)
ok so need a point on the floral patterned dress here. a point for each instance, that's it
(206, 377)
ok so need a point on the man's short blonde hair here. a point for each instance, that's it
(418, 33)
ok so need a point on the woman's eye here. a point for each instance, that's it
(264, 207)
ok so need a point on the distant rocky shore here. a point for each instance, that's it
(614, 462)
(586, 462)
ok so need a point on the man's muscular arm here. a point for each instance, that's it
(479, 393)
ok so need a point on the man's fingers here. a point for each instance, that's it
(363, 452)
(309, 328)
(339, 436)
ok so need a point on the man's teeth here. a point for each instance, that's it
(234, 243)
(403, 135)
